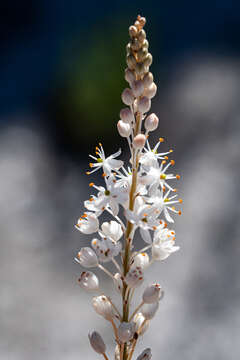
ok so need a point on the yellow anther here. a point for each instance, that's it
(91, 165)
(166, 157)
(163, 176)
(88, 173)
(161, 139)
(91, 184)
(178, 177)
(180, 200)
(172, 162)
(164, 162)
(171, 150)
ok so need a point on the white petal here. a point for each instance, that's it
(145, 234)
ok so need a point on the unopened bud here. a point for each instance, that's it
(142, 20)
(148, 60)
(124, 129)
(129, 76)
(118, 282)
(141, 54)
(131, 62)
(128, 49)
(97, 342)
(151, 122)
(141, 35)
(127, 96)
(134, 277)
(145, 44)
(148, 79)
(126, 331)
(139, 319)
(126, 115)
(139, 141)
(145, 355)
(87, 257)
(137, 24)
(103, 307)
(137, 88)
(149, 310)
(135, 44)
(133, 31)
(150, 91)
(152, 294)
(141, 260)
(144, 104)
(140, 69)
(88, 281)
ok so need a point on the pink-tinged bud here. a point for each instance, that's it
(133, 31)
(129, 76)
(144, 104)
(118, 282)
(139, 319)
(149, 310)
(103, 307)
(131, 61)
(148, 79)
(139, 141)
(126, 115)
(134, 277)
(145, 355)
(150, 91)
(88, 281)
(126, 331)
(87, 257)
(127, 96)
(97, 342)
(137, 88)
(151, 122)
(152, 294)
(124, 129)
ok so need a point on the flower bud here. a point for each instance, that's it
(139, 141)
(131, 62)
(141, 35)
(126, 331)
(150, 91)
(137, 88)
(148, 79)
(139, 319)
(128, 49)
(140, 68)
(129, 76)
(87, 257)
(148, 60)
(124, 129)
(141, 260)
(118, 282)
(141, 54)
(152, 294)
(145, 355)
(103, 307)
(134, 277)
(88, 281)
(127, 96)
(145, 44)
(135, 44)
(97, 342)
(142, 20)
(151, 122)
(126, 115)
(144, 104)
(149, 310)
(133, 31)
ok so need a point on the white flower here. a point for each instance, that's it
(88, 223)
(103, 307)
(150, 156)
(97, 342)
(152, 294)
(112, 230)
(139, 319)
(106, 248)
(108, 164)
(149, 310)
(141, 260)
(163, 243)
(162, 202)
(134, 277)
(88, 281)
(87, 257)
(145, 355)
(126, 331)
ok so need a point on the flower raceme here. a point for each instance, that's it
(141, 196)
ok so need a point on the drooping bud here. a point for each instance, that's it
(141, 328)
(141, 54)
(88, 281)
(150, 91)
(149, 310)
(151, 122)
(139, 141)
(127, 96)
(141, 260)
(141, 35)
(126, 331)
(148, 60)
(118, 282)
(97, 342)
(148, 79)
(129, 76)
(145, 355)
(103, 307)
(133, 31)
(152, 294)
(134, 277)
(87, 257)
(124, 129)
(144, 104)
(131, 62)
(126, 115)
(137, 88)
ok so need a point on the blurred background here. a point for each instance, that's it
(61, 76)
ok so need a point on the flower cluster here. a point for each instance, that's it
(145, 190)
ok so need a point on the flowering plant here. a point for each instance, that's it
(148, 201)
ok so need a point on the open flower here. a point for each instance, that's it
(112, 230)
(163, 243)
(108, 164)
(88, 223)
(106, 248)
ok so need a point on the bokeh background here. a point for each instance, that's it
(61, 76)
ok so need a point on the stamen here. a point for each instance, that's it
(161, 139)
(91, 184)
(178, 177)
(172, 162)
